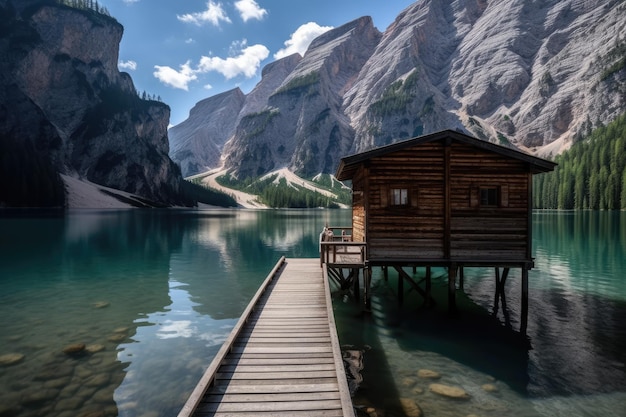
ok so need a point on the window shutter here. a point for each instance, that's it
(504, 196)
(474, 196)
(414, 195)
(384, 196)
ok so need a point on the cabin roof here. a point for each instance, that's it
(349, 164)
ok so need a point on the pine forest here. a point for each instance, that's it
(590, 175)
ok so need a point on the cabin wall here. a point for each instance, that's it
(358, 207)
(443, 217)
(415, 230)
(478, 232)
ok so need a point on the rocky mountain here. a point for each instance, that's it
(524, 73)
(197, 143)
(303, 126)
(66, 106)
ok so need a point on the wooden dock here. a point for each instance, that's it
(282, 358)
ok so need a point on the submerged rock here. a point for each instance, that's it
(55, 370)
(39, 397)
(408, 382)
(428, 374)
(94, 348)
(101, 304)
(74, 348)
(117, 337)
(371, 412)
(449, 391)
(410, 407)
(11, 359)
(489, 388)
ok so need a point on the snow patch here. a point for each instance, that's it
(293, 180)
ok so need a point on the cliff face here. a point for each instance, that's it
(533, 74)
(196, 144)
(303, 126)
(522, 73)
(62, 93)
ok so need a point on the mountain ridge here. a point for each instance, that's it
(525, 74)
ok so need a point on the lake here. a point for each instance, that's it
(153, 294)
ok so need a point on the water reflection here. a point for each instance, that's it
(170, 285)
(151, 294)
(577, 361)
(584, 249)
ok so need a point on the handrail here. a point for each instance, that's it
(330, 250)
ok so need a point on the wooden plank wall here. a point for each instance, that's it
(358, 207)
(415, 231)
(418, 230)
(488, 232)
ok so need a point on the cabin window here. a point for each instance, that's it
(489, 197)
(400, 197)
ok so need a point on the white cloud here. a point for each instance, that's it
(250, 9)
(244, 60)
(131, 1)
(246, 63)
(301, 39)
(214, 14)
(127, 65)
(177, 79)
(190, 41)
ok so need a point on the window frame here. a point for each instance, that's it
(499, 198)
(399, 197)
(489, 196)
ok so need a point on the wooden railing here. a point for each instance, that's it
(337, 247)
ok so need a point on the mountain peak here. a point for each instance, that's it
(527, 74)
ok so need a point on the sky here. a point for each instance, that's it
(184, 51)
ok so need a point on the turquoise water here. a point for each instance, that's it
(152, 295)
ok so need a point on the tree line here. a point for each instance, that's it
(86, 5)
(195, 192)
(591, 175)
(283, 195)
(287, 195)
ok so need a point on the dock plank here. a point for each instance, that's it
(270, 406)
(283, 356)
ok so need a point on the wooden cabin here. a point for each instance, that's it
(444, 199)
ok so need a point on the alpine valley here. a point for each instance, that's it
(536, 75)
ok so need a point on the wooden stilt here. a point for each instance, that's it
(356, 285)
(385, 273)
(452, 288)
(400, 289)
(524, 317)
(367, 281)
(403, 275)
(429, 301)
(461, 278)
(496, 297)
(500, 295)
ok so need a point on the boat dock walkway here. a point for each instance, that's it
(282, 358)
